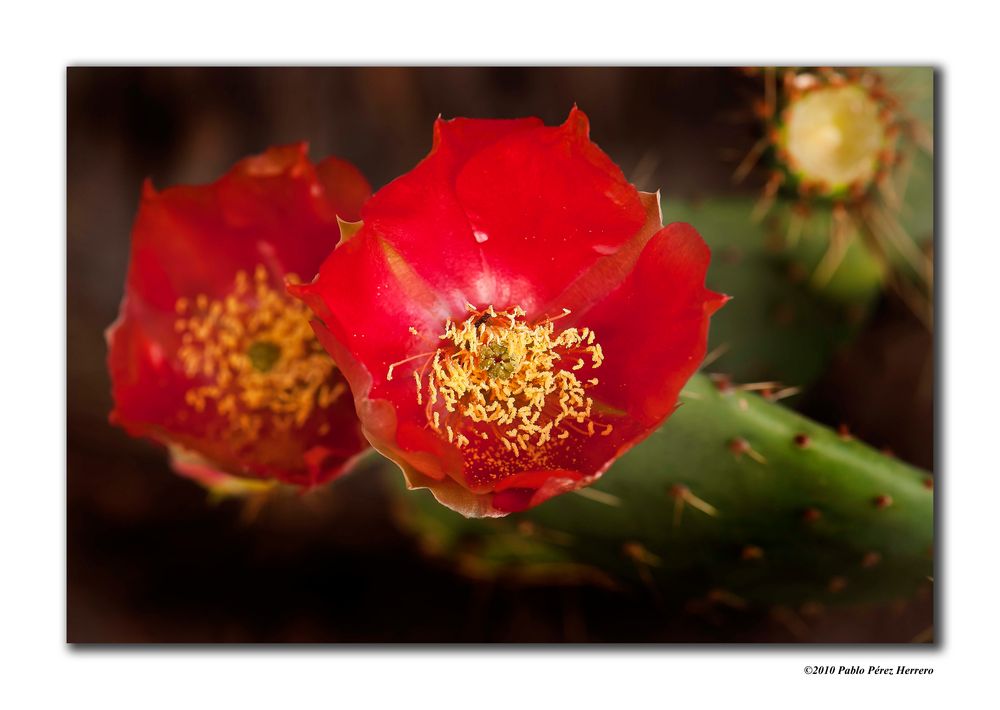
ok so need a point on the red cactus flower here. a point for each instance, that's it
(209, 354)
(512, 316)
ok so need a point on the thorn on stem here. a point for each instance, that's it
(599, 496)
(739, 446)
(723, 383)
(637, 552)
(785, 392)
(681, 495)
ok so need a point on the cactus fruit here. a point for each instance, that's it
(736, 498)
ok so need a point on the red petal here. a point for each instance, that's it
(506, 212)
(549, 203)
(461, 138)
(654, 326)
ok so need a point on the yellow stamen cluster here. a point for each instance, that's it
(255, 357)
(498, 375)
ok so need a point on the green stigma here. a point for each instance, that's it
(263, 355)
(495, 361)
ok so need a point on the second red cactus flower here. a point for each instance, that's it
(209, 355)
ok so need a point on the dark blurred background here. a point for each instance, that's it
(149, 559)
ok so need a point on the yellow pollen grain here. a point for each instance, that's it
(254, 358)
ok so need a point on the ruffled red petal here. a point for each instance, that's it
(655, 325)
(475, 235)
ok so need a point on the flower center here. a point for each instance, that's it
(498, 376)
(834, 136)
(255, 359)
(263, 355)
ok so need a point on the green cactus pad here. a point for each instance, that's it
(736, 499)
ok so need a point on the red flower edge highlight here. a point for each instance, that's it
(209, 356)
(512, 316)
